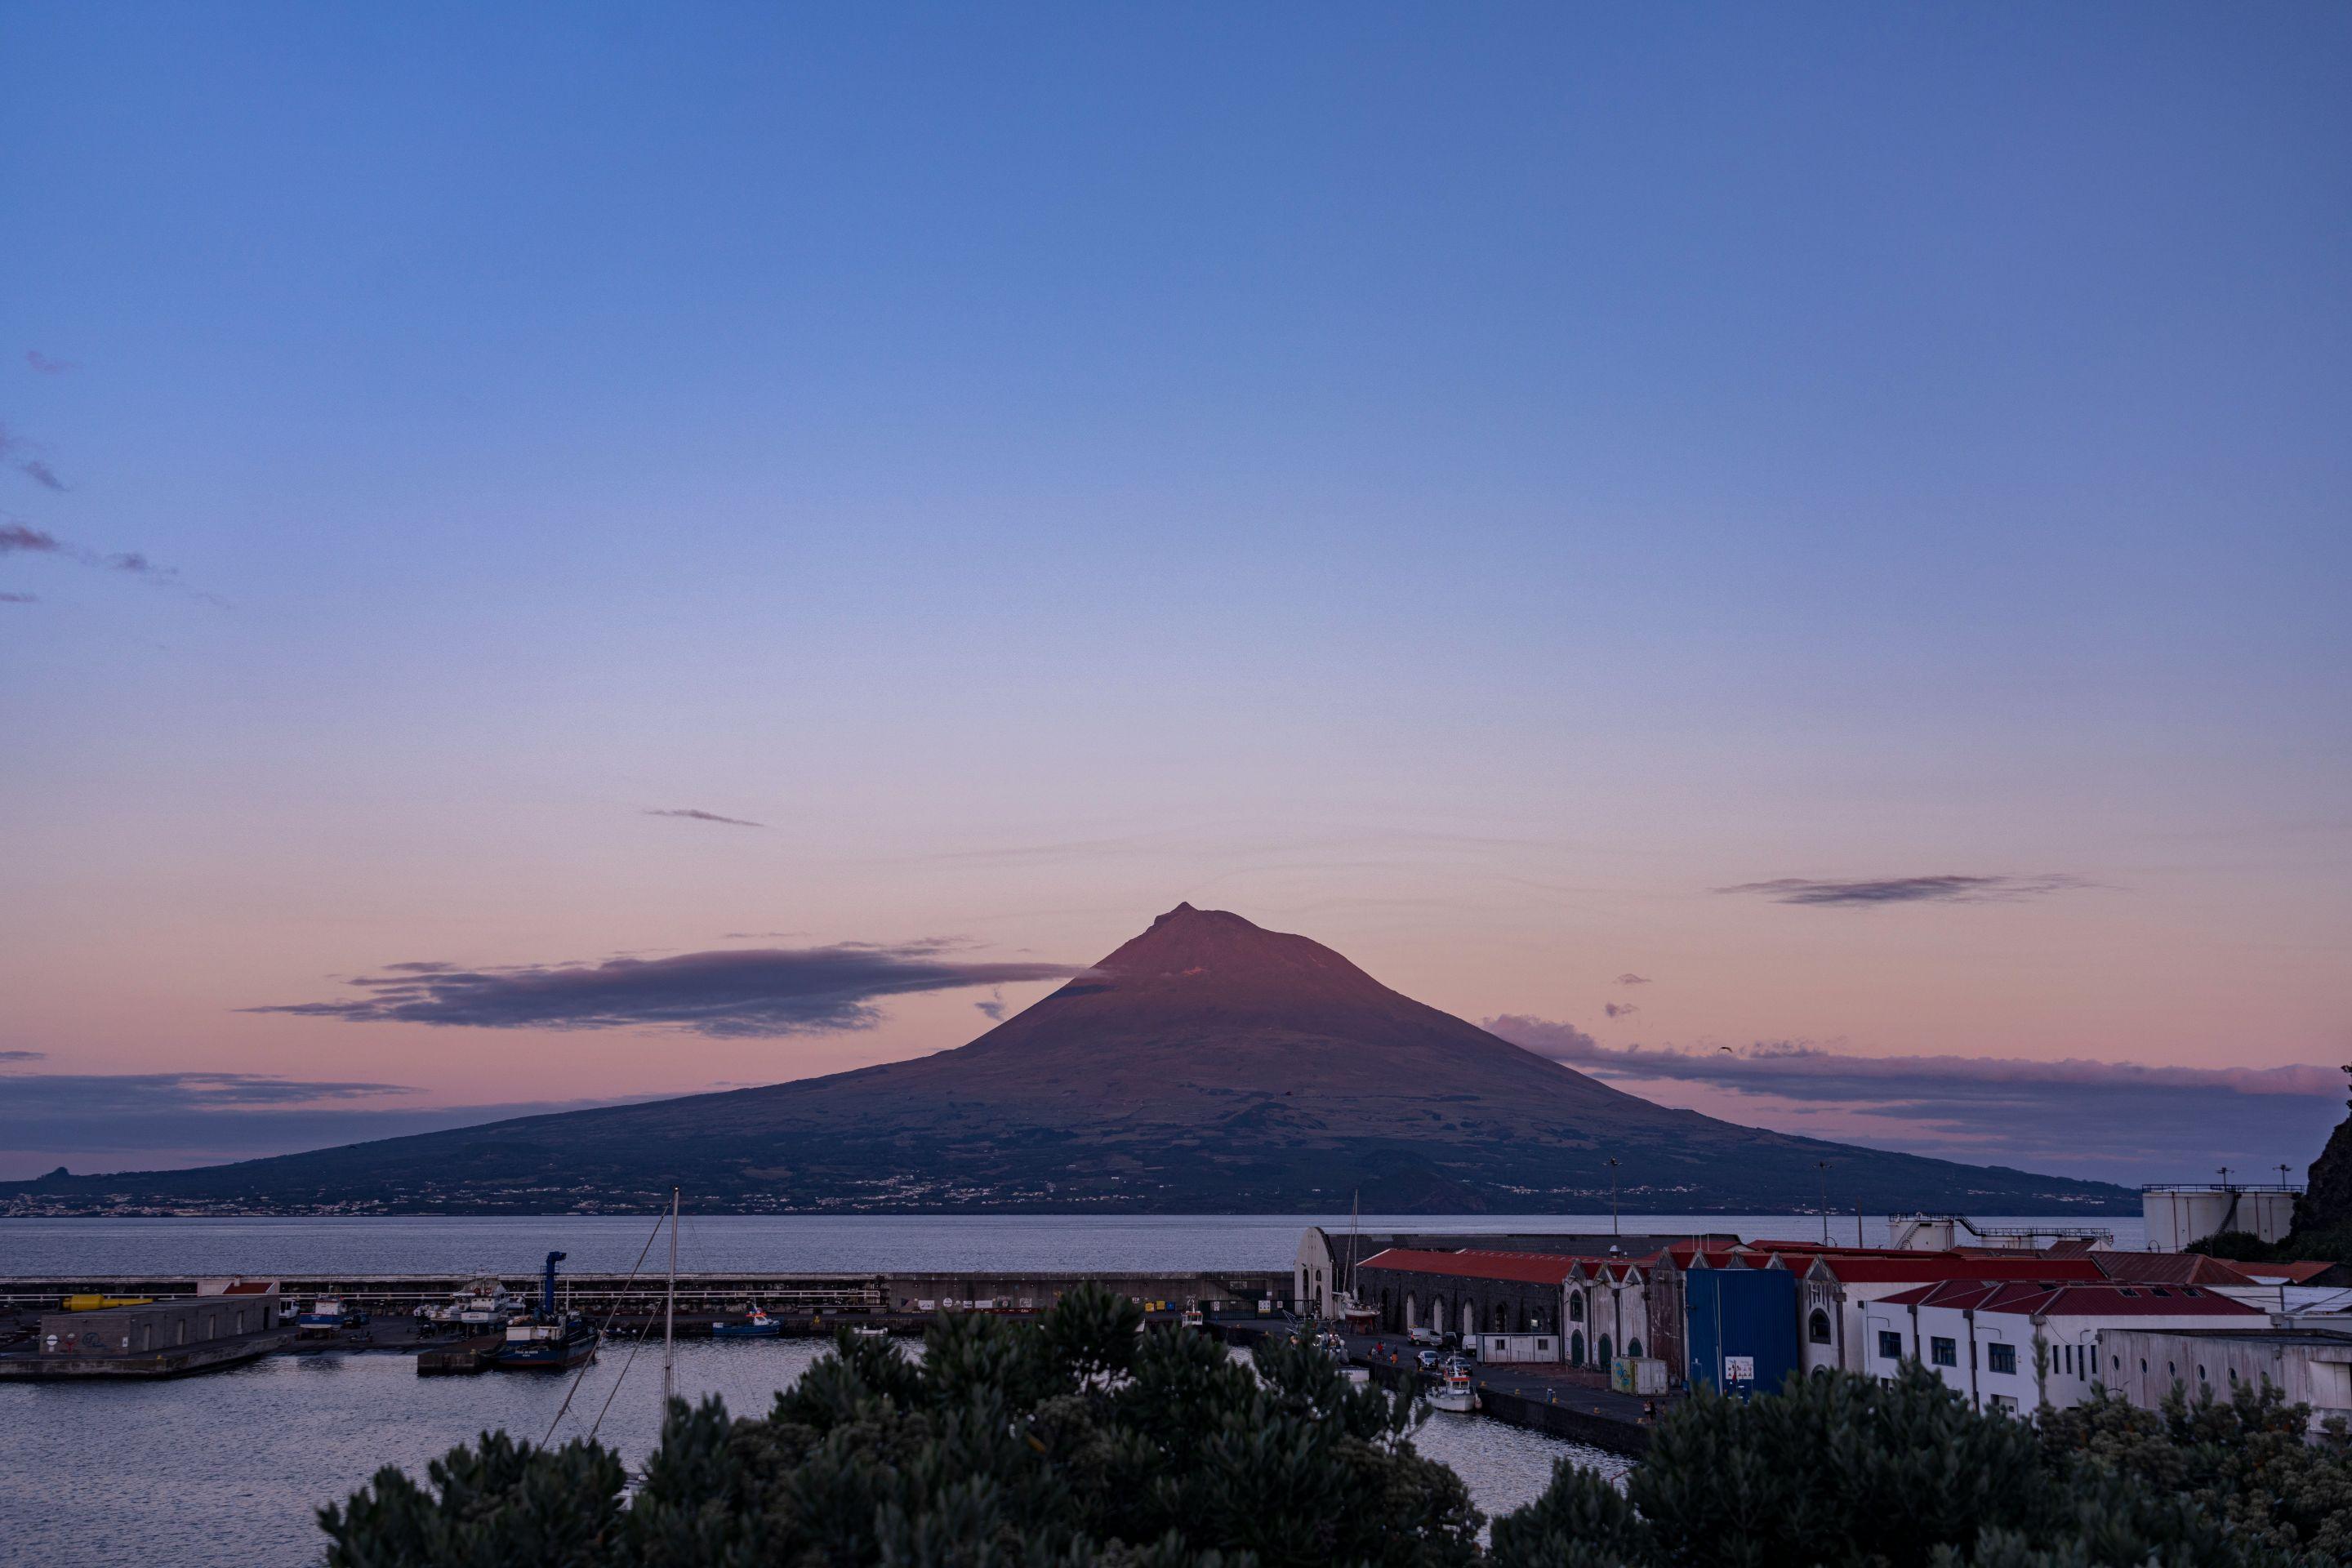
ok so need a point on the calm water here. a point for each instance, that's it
(821, 1244)
(228, 1467)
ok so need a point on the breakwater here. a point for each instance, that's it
(916, 1292)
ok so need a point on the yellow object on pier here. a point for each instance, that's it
(99, 1303)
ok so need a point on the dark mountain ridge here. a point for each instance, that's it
(1207, 1065)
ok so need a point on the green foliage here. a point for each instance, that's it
(1846, 1471)
(1074, 1442)
(2237, 1246)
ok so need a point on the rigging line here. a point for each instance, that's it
(618, 1298)
(643, 1334)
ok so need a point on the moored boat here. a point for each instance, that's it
(755, 1325)
(327, 1315)
(1455, 1392)
(546, 1339)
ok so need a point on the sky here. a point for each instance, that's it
(1797, 558)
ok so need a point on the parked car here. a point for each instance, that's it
(1426, 1337)
(1428, 1360)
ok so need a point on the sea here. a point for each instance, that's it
(231, 1466)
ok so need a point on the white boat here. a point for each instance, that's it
(1454, 1391)
(871, 1332)
(485, 1303)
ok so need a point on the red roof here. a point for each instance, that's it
(2169, 1268)
(1526, 1268)
(252, 1288)
(1924, 1266)
(2107, 1298)
(2291, 1273)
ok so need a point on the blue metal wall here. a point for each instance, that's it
(1741, 1315)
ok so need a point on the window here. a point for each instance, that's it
(1942, 1351)
(1633, 1349)
(1576, 1308)
(2004, 1404)
(1890, 1344)
(1817, 1327)
(2000, 1358)
(1575, 1348)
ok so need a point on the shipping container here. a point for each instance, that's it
(1743, 1329)
(1637, 1374)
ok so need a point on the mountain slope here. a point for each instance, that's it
(1207, 1065)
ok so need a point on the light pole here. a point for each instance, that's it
(1823, 1165)
(1613, 1195)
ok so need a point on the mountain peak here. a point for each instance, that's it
(1189, 945)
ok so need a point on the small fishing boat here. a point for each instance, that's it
(328, 1315)
(1193, 1316)
(485, 1304)
(546, 1339)
(1454, 1393)
(869, 1331)
(755, 1325)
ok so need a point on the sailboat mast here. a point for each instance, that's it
(669, 1312)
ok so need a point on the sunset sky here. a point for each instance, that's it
(1824, 532)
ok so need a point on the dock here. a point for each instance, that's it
(461, 1358)
(805, 1295)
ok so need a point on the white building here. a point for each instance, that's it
(1835, 1291)
(2313, 1368)
(2017, 1346)
(1608, 1312)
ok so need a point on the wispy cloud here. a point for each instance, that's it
(1619, 1009)
(20, 598)
(729, 993)
(2119, 1120)
(993, 1009)
(18, 538)
(1943, 889)
(692, 815)
(23, 1056)
(1630, 978)
(45, 365)
(17, 455)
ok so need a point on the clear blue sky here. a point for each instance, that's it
(1465, 482)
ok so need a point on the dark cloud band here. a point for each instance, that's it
(2109, 1119)
(692, 815)
(751, 992)
(1943, 889)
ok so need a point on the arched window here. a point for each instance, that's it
(1469, 1320)
(1498, 1319)
(1604, 1358)
(1633, 1349)
(1817, 1327)
(1411, 1322)
(1576, 1307)
(1575, 1348)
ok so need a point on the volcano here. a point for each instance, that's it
(1208, 1066)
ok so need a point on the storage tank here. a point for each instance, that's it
(1743, 1329)
(2177, 1214)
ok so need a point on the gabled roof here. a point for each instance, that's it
(1924, 1268)
(2169, 1268)
(1525, 1268)
(2107, 1298)
(2293, 1273)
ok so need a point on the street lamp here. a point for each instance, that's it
(1823, 1165)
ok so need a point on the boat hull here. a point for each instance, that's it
(545, 1355)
